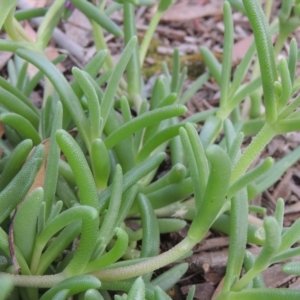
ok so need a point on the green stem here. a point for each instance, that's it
(6, 8)
(252, 151)
(133, 67)
(14, 29)
(265, 54)
(109, 275)
(268, 9)
(49, 22)
(227, 55)
(101, 44)
(149, 265)
(148, 36)
(45, 281)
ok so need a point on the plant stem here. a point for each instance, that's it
(133, 67)
(100, 45)
(268, 9)
(149, 265)
(14, 29)
(280, 42)
(48, 24)
(252, 151)
(244, 280)
(45, 281)
(148, 36)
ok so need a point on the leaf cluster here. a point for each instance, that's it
(74, 171)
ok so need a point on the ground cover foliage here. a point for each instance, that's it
(76, 170)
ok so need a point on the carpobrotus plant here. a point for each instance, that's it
(73, 171)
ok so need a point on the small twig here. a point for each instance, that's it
(208, 260)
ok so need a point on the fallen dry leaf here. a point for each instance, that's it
(274, 277)
(31, 70)
(240, 48)
(295, 285)
(218, 289)
(11, 246)
(78, 28)
(4, 58)
(29, 30)
(283, 189)
(291, 209)
(185, 11)
(40, 177)
(204, 291)
(51, 53)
